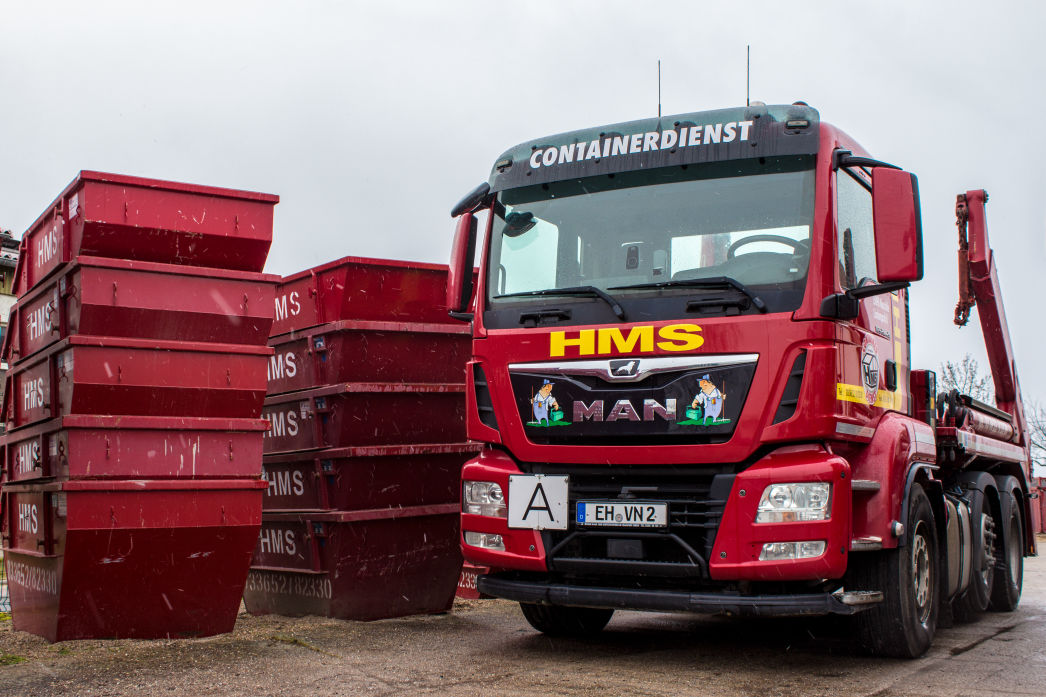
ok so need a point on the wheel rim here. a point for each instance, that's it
(988, 548)
(922, 575)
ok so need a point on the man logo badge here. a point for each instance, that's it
(627, 368)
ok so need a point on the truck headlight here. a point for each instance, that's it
(485, 540)
(780, 551)
(784, 503)
(483, 498)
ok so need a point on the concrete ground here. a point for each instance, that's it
(486, 648)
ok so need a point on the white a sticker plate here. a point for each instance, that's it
(538, 501)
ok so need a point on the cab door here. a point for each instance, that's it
(874, 349)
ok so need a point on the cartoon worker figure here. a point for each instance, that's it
(710, 399)
(543, 402)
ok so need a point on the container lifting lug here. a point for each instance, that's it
(51, 311)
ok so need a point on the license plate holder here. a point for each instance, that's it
(621, 514)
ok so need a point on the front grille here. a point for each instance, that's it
(696, 497)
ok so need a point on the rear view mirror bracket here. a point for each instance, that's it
(847, 305)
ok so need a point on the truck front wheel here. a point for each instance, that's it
(559, 620)
(904, 623)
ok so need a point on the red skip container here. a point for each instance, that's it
(145, 300)
(358, 414)
(134, 447)
(352, 351)
(356, 565)
(362, 289)
(112, 215)
(91, 375)
(128, 559)
(370, 477)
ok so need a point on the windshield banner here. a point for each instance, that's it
(730, 134)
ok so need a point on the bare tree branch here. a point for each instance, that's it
(965, 376)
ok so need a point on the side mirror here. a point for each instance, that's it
(898, 225)
(462, 256)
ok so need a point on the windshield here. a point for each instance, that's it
(748, 221)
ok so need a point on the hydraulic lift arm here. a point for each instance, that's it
(979, 285)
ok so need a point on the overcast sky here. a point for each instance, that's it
(370, 120)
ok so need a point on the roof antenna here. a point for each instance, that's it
(748, 75)
(658, 88)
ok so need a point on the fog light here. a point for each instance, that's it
(485, 540)
(780, 551)
(784, 503)
(483, 498)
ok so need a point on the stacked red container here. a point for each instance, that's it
(132, 452)
(365, 444)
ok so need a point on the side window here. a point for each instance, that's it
(856, 241)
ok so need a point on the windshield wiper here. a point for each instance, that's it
(712, 282)
(574, 290)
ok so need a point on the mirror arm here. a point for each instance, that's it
(461, 316)
(847, 305)
(845, 158)
(471, 201)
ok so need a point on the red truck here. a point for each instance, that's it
(691, 373)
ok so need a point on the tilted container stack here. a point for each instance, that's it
(132, 452)
(365, 444)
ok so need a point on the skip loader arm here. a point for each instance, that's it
(979, 285)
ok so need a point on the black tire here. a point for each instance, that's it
(974, 600)
(559, 620)
(1009, 557)
(904, 623)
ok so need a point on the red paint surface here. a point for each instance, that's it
(356, 414)
(134, 447)
(134, 559)
(360, 565)
(360, 478)
(111, 215)
(120, 298)
(84, 375)
(368, 351)
(361, 289)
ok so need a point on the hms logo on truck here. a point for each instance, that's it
(612, 340)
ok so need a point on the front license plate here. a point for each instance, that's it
(628, 514)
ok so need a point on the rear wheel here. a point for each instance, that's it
(904, 623)
(559, 620)
(1009, 558)
(974, 600)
